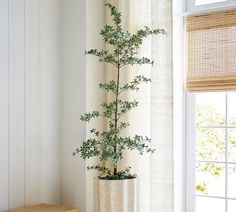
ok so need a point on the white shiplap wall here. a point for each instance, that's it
(74, 101)
(82, 22)
(30, 102)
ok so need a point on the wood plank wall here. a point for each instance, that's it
(30, 102)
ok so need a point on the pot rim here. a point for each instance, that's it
(134, 178)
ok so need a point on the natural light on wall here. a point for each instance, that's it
(215, 154)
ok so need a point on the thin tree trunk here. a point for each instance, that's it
(116, 112)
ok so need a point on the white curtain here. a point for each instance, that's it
(154, 116)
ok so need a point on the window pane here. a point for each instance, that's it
(210, 109)
(232, 181)
(232, 109)
(202, 2)
(210, 179)
(205, 204)
(210, 144)
(232, 145)
(231, 205)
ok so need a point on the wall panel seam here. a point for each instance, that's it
(39, 149)
(25, 167)
(8, 110)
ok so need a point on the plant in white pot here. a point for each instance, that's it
(116, 187)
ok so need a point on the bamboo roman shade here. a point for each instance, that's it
(211, 51)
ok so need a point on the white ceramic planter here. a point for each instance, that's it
(116, 195)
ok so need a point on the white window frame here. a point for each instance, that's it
(190, 152)
(179, 105)
(190, 6)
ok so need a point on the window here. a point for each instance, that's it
(210, 131)
(212, 146)
(195, 5)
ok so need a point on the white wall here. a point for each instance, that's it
(82, 22)
(30, 108)
(95, 73)
(74, 101)
(46, 83)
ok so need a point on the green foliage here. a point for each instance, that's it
(211, 143)
(110, 86)
(121, 175)
(207, 116)
(88, 116)
(124, 44)
(110, 145)
(211, 168)
(116, 16)
(100, 168)
(202, 188)
(134, 85)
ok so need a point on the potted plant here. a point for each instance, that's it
(117, 188)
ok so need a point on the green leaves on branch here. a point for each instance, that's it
(135, 60)
(103, 145)
(87, 116)
(95, 132)
(99, 168)
(114, 36)
(126, 106)
(143, 33)
(124, 45)
(109, 109)
(89, 148)
(103, 56)
(110, 86)
(139, 143)
(134, 84)
(123, 174)
(123, 125)
(131, 86)
(116, 16)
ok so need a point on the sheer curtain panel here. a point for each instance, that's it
(154, 116)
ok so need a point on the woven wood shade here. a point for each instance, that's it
(211, 51)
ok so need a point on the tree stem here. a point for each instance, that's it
(116, 111)
(117, 101)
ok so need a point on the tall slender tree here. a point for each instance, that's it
(110, 144)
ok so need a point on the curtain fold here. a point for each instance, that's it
(154, 116)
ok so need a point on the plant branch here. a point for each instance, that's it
(116, 110)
